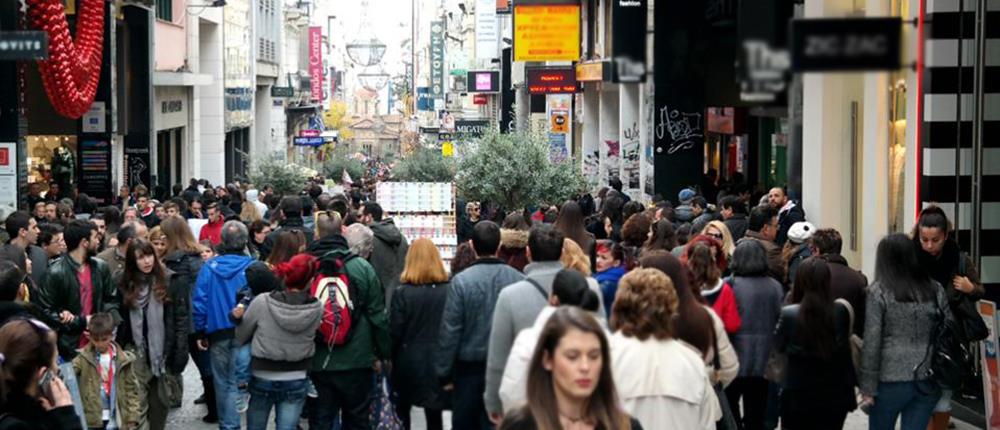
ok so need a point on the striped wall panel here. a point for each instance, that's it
(945, 77)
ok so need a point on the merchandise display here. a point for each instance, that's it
(422, 210)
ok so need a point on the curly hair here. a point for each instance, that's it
(635, 232)
(574, 258)
(645, 305)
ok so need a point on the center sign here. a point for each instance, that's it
(546, 32)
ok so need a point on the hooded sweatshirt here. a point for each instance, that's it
(282, 327)
(253, 197)
(215, 293)
(388, 255)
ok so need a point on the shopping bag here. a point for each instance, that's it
(383, 412)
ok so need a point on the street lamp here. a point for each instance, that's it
(366, 51)
(373, 78)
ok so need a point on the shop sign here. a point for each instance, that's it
(95, 167)
(503, 6)
(171, 106)
(472, 127)
(763, 61)
(8, 176)
(487, 33)
(846, 44)
(560, 121)
(309, 141)
(437, 59)
(309, 133)
(483, 81)
(593, 72)
(628, 40)
(24, 45)
(445, 137)
(552, 80)
(546, 32)
(238, 67)
(282, 92)
(721, 120)
(316, 62)
(480, 99)
(94, 119)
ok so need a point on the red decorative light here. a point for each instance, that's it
(73, 70)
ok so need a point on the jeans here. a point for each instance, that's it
(243, 366)
(468, 408)
(225, 357)
(347, 392)
(287, 398)
(944, 404)
(913, 400)
(753, 391)
(68, 375)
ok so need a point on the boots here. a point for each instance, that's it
(213, 409)
(939, 421)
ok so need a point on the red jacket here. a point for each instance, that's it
(212, 232)
(723, 302)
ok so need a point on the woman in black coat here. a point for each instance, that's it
(415, 319)
(32, 395)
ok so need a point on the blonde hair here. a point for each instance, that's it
(574, 258)
(249, 212)
(728, 245)
(157, 234)
(423, 264)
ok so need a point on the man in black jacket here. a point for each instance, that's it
(23, 231)
(789, 213)
(845, 282)
(191, 192)
(291, 219)
(465, 327)
(76, 287)
(734, 215)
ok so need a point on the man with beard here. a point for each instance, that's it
(76, 287)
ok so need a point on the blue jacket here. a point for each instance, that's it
(609, 285)
(215, 292)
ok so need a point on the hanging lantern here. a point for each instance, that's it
(72, 72)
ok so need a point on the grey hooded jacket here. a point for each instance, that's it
(282, 327)
(388, 255)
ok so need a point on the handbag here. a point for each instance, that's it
(855, 342)
(383, 412)
(728, 420)
(947, 353)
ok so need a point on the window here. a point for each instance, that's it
(165, 10)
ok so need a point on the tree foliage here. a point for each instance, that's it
(424, 165)
(273, 170)
(336, 119)
(339, 160)
(514, 170)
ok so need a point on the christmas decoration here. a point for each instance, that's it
(73, 70)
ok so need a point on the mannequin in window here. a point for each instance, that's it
(63, 166)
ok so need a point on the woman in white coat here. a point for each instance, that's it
(660, 379)
(696, 324)
(570, 288)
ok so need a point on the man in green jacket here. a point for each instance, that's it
(343, 374)
(77, 286)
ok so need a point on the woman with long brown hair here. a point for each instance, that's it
(288, 243)
(31, 392)
(571, 223)
(705, 259)
(660, 379)
(414, 323)
(183, 257)
(570, 382)
(155, 326)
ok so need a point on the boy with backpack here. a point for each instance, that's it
(345, 362)
(109, 389)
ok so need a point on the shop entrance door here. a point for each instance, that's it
(169, 147)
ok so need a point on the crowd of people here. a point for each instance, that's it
(716, 311)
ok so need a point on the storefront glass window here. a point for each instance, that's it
(897, 140)
(52, 159)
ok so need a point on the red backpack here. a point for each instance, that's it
(332, 288)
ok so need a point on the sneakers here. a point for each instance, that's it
(242, 400)
(311, 390)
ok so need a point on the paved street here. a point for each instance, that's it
(189, 416)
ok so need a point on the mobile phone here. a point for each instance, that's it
(45, 384)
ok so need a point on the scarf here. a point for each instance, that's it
(148, 330)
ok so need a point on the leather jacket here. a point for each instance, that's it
(60, 291)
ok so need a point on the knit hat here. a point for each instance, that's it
(298, 271)
(801, 232)
(686, 195)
